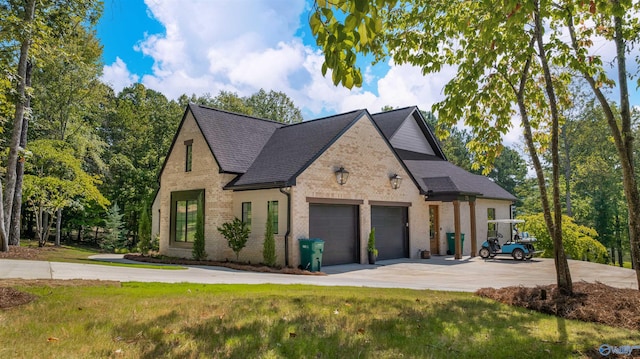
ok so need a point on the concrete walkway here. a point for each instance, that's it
(439, 272)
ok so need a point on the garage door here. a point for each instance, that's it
(337, 226)
(392, 238)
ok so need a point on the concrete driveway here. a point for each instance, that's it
(439, 272)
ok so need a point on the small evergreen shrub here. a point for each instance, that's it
(198, 252)
(269, 245)
(144, 231)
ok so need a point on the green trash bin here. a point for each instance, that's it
(311, 254)
(451, 242)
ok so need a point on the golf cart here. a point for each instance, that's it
(519, 245)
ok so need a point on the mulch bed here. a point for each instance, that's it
(232, 265)
(28, 253)
(590, 302)
(10, 297)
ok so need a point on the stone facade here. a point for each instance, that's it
(218, 203)
(370, 161)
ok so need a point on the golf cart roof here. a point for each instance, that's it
(511, 221)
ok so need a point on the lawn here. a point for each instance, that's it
(151, 320)
(73, 253)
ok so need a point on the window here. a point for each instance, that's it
(184, 215)
(491, 227)
(189, 158)
(272, 207)
(246, 213)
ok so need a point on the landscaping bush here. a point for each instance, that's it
(269, 245)
(237, 233)
(579, 241)
(198, 252)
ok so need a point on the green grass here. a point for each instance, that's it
(80, 254)
(140, 320)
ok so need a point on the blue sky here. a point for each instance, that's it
(205, 46)
(197, 47)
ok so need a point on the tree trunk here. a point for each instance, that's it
(16, 211)
(58, 226)
(567, 171)
(563, 274)
(4, 237)
(21, 106)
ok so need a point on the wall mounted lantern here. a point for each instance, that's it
(395, 181)
(341, 176)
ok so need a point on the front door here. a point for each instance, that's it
(434, 229)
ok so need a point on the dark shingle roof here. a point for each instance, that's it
(292, 149)
(390, 121)
(235, 140)
(445, 177)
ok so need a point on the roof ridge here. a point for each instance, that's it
(324, 118)
(249, 117)
(395, 109)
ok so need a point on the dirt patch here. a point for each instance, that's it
(232, 265)
(590, 302)
(29, 253)
(12, 297)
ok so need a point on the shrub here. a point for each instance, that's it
(198, 252)
(269, 245)
(236, 232)
(144, 231)
(579, 241)
(371, 244)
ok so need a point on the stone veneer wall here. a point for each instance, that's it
(364, 153)
(204, 175)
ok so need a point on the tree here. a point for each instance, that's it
(144, 231)
(502, 60)
(28, 25)
(114, 234)
(137, 130)
(236, 233)
(274, 105)
(269, 244)
(55, 180)
(581, 243)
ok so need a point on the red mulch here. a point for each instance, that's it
(590, 302)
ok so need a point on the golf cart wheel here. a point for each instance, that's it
(518, 254)
(484, 252)
(528, 256)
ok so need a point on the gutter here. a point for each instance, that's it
(287, 192)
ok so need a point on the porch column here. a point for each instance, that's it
(472, 213)
(456, 225)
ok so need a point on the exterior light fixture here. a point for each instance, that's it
(395, 181)
(341, 176)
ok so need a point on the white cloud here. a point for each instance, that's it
(117, 75)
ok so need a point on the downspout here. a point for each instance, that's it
(287, 192)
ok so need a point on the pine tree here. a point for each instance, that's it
(114, 237)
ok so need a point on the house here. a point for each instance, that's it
(332, 178)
